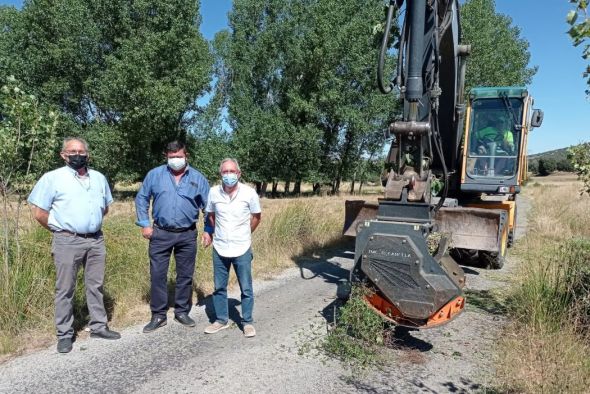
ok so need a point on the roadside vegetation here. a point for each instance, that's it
(547, 346)
(290, 228)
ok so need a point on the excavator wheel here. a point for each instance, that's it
(492, 260)
(464, 256)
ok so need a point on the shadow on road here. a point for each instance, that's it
(234, 314)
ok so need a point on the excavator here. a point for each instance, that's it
(455, 165)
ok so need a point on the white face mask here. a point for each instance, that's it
(177, 163)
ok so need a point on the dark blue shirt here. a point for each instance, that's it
(174, 206)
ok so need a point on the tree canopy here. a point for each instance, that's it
(303, 101)
(126, 73)
(499, 55)
(580, 31)
(291, 85)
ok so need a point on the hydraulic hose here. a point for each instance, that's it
(382, 54)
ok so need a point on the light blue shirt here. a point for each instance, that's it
(73, 205)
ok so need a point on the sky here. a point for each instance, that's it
(558, 86)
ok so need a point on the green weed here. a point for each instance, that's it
(356, 337)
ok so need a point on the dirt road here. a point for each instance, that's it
(456, 358)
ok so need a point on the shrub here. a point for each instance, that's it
(546, 166)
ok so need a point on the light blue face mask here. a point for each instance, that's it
(229, 179)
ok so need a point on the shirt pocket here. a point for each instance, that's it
(190, 191)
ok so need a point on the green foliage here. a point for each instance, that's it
(579, 156)
(534, 166)
(357, 333)
(580, 31)
(564, 165)
(302, 97)
(558, 289)
(126, 73)
(547, 166)
(499, 56)
(27, 137)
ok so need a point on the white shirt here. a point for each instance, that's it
(232, 237)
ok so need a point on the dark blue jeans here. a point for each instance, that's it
(184, 246)
(243, 269)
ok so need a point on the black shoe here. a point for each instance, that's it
(64, 345)
(185, 320)
(105, 333)
(154, 324)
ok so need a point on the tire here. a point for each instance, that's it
(491, 260)
(464, 256)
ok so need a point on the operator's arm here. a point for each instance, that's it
(508, 141)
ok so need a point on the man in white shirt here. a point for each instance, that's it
(234, 212)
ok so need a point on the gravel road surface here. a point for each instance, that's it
(289, 309)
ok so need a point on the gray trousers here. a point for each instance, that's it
(70, 252)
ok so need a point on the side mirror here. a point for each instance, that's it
(537, 118)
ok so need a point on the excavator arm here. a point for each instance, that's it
(414, 286)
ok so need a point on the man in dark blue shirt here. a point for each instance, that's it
(178, 192)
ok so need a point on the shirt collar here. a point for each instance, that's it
(223, 192)
(74, 172)
(186, 171)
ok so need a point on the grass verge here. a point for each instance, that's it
(289, 228)
(547, 347)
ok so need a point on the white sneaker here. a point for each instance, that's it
(215, 327)
(249, 331)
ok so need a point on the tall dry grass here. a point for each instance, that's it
(289, 228)
(547, 348)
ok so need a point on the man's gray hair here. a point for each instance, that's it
(229, 159)
(69, 139)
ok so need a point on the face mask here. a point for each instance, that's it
(177, 163)
(77, 161)
(229, 179)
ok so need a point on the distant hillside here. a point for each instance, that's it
(553, 160)
(557, 155)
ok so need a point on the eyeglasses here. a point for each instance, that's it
(75, 152)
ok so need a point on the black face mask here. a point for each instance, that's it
(77, 161)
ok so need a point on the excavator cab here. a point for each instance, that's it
(496, 129)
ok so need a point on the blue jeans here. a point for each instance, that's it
(243, 269)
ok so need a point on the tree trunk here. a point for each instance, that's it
(361, 187)
(263, 189)
(352, 184)
(316, 188)
(275, 185)
(287, 187)
(258, 187)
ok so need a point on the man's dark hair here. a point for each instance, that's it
(175, 146)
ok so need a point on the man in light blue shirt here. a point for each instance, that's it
(71, 202)
(178, 192)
